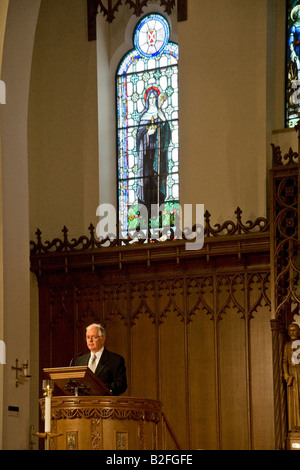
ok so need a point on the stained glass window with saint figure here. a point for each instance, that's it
(292, 101)
(147, 132)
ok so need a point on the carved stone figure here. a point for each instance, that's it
(291, 374)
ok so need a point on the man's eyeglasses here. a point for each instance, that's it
(92, 338)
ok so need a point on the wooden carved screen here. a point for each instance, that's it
(193, 326)
(284, 271)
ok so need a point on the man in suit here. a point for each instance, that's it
(108, 366)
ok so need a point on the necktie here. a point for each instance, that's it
(93, 363)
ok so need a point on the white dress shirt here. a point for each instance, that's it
(98, 354)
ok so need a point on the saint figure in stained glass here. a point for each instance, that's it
(152, 141)
(293, 63)
(294, 43)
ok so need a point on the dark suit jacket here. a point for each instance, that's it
(110, 369)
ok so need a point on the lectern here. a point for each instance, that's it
(77, 381)
(87, 417)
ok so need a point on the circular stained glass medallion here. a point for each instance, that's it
(151, 35)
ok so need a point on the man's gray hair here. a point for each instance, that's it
(99, 328)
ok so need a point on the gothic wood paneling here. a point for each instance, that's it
(193, 328)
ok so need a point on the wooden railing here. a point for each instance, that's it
(167, 430)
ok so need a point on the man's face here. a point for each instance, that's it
(93, 340)
(293, 332)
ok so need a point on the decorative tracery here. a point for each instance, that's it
(109, 9)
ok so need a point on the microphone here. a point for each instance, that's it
(72, 360)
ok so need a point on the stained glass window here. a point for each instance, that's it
(147, 132)
(293, 63)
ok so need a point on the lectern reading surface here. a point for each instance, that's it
(76, 381)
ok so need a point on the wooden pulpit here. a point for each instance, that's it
(87, 417)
